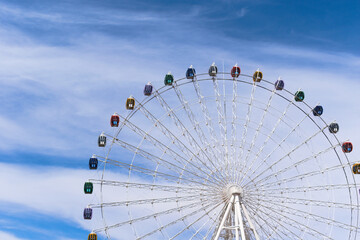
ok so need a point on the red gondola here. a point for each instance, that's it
(347, 147)
(235, 71)
(114, 120)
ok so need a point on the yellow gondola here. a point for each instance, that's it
(356, 168)
(92, 236)
(130, 103)
(257, 76)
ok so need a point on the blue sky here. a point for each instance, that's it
(65, 66)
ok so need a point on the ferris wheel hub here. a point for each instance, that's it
(232, 189)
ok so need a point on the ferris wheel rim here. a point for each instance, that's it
(142, 103)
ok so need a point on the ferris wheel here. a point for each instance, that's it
(222, 155)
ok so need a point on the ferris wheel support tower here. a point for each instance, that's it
(233, 214)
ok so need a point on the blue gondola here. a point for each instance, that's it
(318, 110)
(279, 84)
(213, 70)
(190, 73)
(93, 162)
(148, 89)
(88, 213)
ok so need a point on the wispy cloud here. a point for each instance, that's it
(57, 87)
(9, 236)
(90, 16)
(242, 12)
(56, 99)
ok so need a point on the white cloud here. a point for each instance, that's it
(57, 99)
(58, 193)
(242, 12)
(53, 191)
(8, 236)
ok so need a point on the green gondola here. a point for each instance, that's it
(88, 187)
(169, 79)
(299, 96)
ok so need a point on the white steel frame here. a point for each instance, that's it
(200, 167)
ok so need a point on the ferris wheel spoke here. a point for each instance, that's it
(194, 122)
(151, 201)
(211, 226)
(147, 136)
(279, 145)
(297, 224)
(198, 219)
(247, 120)
(166, 149)
(155, 159)
(157, 187)
(260, 125)
(302, 161)
(166, 212)
(183, 129)
(267, 216)
(261, 149)
(203, 226)
(207, 117)
(150, 172)
(318, 218)
(233, 123)
(171, 113)
(274, 129)
(293, 150)
(301, 176)
(157, 123)
(302, 201)
(303, 189)
(220, 111)
(222, 123)
(178, 220)
(279, 222)
(265, 231)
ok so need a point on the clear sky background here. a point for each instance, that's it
(66, 66)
